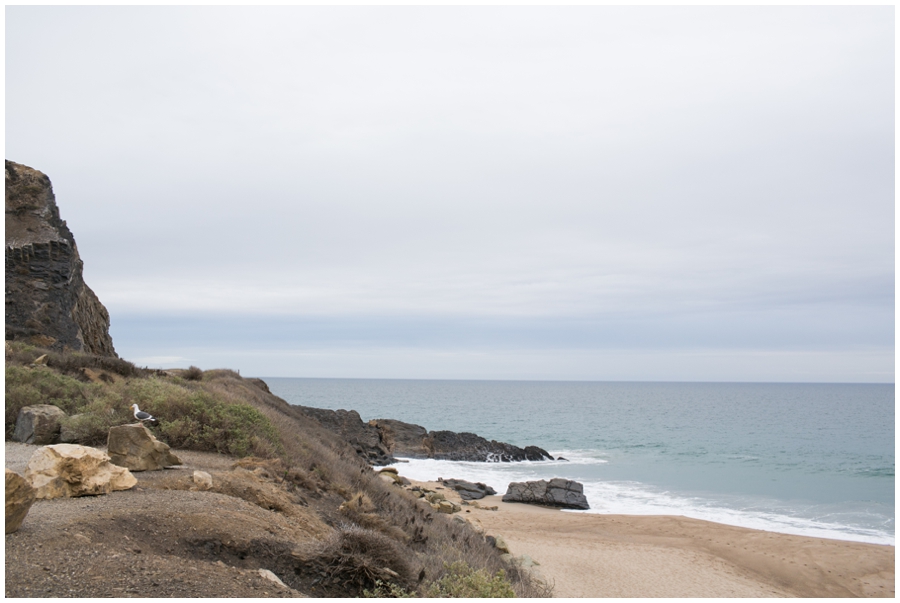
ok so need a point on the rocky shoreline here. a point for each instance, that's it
(380, 441)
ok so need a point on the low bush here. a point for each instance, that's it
(90, 426)
(359, 558)
(196, 419)
(190, 416)
(27, 386)
(72, 363)
(460, 580)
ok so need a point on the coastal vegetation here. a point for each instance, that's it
(381, 540)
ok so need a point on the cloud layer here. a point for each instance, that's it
(490, 179)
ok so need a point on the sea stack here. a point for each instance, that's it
(48, 303)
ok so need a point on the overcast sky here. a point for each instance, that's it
(609, 193)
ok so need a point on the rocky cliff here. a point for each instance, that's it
(47, 301)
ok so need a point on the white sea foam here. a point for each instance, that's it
(635, 498)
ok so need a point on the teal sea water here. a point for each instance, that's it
(810, 459)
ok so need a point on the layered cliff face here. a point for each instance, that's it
(47, 301)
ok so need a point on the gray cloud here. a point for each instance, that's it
(664, 172)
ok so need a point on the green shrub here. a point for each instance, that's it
(204, 423)
(91, 425)
(193, 418)
(460, 580)
(29, 386)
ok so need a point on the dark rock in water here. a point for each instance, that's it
(469, 490)
(48, 303)
(379, 440)
(557, 492)
(451, 446)
(533, 453)
(407, 439)
(362, 436)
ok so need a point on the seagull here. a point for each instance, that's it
(142, 416)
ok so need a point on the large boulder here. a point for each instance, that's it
(68, 470)
(557, 492)
(469, 490)
(136, 449)
(19, 497)
(38, 424)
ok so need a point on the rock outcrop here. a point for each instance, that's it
(469, 490)
(362, 436)
(414, 441)
(406, 439)
(19, 498)
(136, 449)
(47, 301)
(557, 492)
(452, 446)
(69, 470)
(380, 439)
(38, 424)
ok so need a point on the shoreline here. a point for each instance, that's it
(598, 555)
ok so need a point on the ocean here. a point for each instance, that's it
(808, 459)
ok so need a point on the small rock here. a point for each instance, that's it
(268, 575)
(203, 480)
(500, 544)
(448, 507)
(391, 478)
(434, 497)
(19, 498)
(470, 490)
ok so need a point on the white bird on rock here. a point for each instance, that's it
(142, 416)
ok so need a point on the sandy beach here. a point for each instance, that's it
(593, 555)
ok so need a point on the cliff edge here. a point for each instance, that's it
(48, 303)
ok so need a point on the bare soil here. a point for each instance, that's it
(152, 541)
